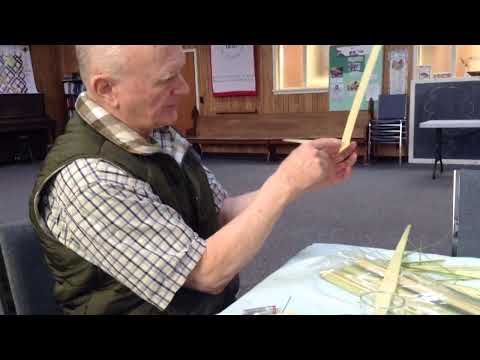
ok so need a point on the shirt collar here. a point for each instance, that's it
(120, 134)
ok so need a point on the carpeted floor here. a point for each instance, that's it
(372, 209)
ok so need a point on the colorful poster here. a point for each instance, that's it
(233, 70)
(16, 73)
(398, 60)
(347, 64)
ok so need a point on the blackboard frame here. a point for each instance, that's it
(414, 126)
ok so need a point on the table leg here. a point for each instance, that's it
(438, 152)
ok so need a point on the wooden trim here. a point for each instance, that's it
(195, 64)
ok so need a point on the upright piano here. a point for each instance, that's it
(25, 129)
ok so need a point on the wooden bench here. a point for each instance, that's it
(263, 133)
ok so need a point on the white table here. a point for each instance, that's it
(445, 124)
(310, 294)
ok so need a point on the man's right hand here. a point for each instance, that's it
(311, 166)
(316, 164)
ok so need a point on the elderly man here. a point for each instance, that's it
(129, 219)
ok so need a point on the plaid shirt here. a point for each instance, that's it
(116, 221)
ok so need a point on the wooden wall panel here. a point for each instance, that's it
(217, 105)
(69, 59)
(47, 70)
(265, 102)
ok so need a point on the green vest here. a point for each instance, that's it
(82, 288)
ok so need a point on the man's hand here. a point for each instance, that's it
(316, 164)
(309, 167)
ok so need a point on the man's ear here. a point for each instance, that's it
(102, 86)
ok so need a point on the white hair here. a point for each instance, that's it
(93, 59)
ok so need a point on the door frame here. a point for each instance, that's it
(195, 65)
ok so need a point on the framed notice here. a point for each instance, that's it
(233, 70)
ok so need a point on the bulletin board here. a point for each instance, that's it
(347, 64)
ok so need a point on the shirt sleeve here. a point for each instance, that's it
(117, 222)
(219, 192)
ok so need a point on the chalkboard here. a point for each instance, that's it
(445, 100)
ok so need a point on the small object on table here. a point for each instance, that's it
(285, 307)
(264, 310)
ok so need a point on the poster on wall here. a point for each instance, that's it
(16, 72)
(398, 70)
(347, 64)
(233, 70)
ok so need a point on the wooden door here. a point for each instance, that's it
(187, 102)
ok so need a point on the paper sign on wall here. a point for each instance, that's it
(233, 70)
(398, 60)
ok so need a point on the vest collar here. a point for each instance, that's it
(165, 140)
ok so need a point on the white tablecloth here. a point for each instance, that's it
(300, 279)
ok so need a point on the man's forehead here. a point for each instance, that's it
(158, 51)
(162, 55)
(167, 52)
(165, 58)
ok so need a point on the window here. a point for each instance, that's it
(468, 59)
(300, 68)
(439, 57)
(455, 59)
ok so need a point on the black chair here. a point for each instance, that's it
(29, 278)
(6, 301)
(466, 209)
(390, 125)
